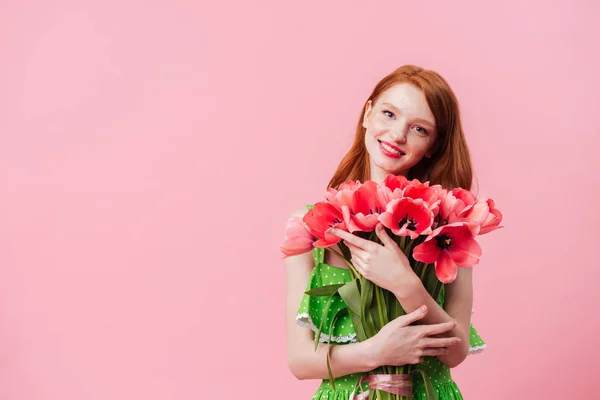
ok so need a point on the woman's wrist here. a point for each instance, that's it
(371, 353)
(407, 286)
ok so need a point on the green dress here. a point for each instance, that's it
(310, 313)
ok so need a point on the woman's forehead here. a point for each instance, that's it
(409, 100)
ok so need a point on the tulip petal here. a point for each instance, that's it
(466, 196)
(387, 220)
(295, 227)
(465, 252)
(298, 239)
(320, 219)
(493, 220)
(395, 182)
(295, 246)
(445, 268)
(427, 252)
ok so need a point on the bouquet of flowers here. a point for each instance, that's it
(434, 227)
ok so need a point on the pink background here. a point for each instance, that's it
(151, 153)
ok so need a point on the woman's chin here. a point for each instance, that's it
(387, 168)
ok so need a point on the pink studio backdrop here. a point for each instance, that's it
(151, 153)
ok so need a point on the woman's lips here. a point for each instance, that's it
(390, 150)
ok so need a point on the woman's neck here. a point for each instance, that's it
(378, 175)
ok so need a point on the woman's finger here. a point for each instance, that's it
(358, 252)
(360, 265)
(435, 351)
(352, 238)
(440, 342)
(384, 237)
(436, 329)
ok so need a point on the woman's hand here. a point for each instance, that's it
(399, 343)
(386, 266)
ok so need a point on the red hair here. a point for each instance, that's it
(450, 162)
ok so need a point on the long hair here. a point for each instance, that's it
(450, 162)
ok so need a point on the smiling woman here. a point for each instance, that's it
(410, 126)
(412, 110)
(403, 131)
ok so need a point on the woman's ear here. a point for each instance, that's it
(368, 109)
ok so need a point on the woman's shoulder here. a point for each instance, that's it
(299, 211)
(298, 214)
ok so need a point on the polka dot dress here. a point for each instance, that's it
(310, 313)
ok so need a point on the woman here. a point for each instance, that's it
(410, 126)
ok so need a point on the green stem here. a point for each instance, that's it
(437, 290)
(423, 271)
(379, 307)
(348, 263)
(409, 246)
(403, 243)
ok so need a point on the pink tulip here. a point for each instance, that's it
(368, 201)
(450, 207)
(393, 186)
(350, 185)
(408, 217)
(465, 196)
(440, 194)
(343, 195)
(320, 219)
(449, 246)
(492, 222)
(433, 195)
(298, 239)
(474, 215)
(394, 182)
(418, 190)
(482, 217)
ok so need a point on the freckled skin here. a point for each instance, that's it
(398, 117)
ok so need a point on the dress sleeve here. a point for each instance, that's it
(310, 313)
(476, 343)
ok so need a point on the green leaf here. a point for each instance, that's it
(366, 298)
(366, 293)
(327, 290)
(369, 325)
(324, 315)
(384, 305)
(395, 310)
(357, 323)
(331, 378)
(374, 310)
(351, 295)
(335, 317)
(430, 393)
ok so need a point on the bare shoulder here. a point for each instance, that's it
(299, 212)
(298, 269)
(302, 262)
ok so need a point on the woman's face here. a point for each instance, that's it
(400, 131)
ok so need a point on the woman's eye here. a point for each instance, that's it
(424, 131)
(388, 113)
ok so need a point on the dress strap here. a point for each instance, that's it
(319, 255)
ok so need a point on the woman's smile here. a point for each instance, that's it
(389, 150)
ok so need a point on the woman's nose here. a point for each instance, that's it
(398, 135)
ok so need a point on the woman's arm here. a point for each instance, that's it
(457, 306)
(303, 360)
(397, 343)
